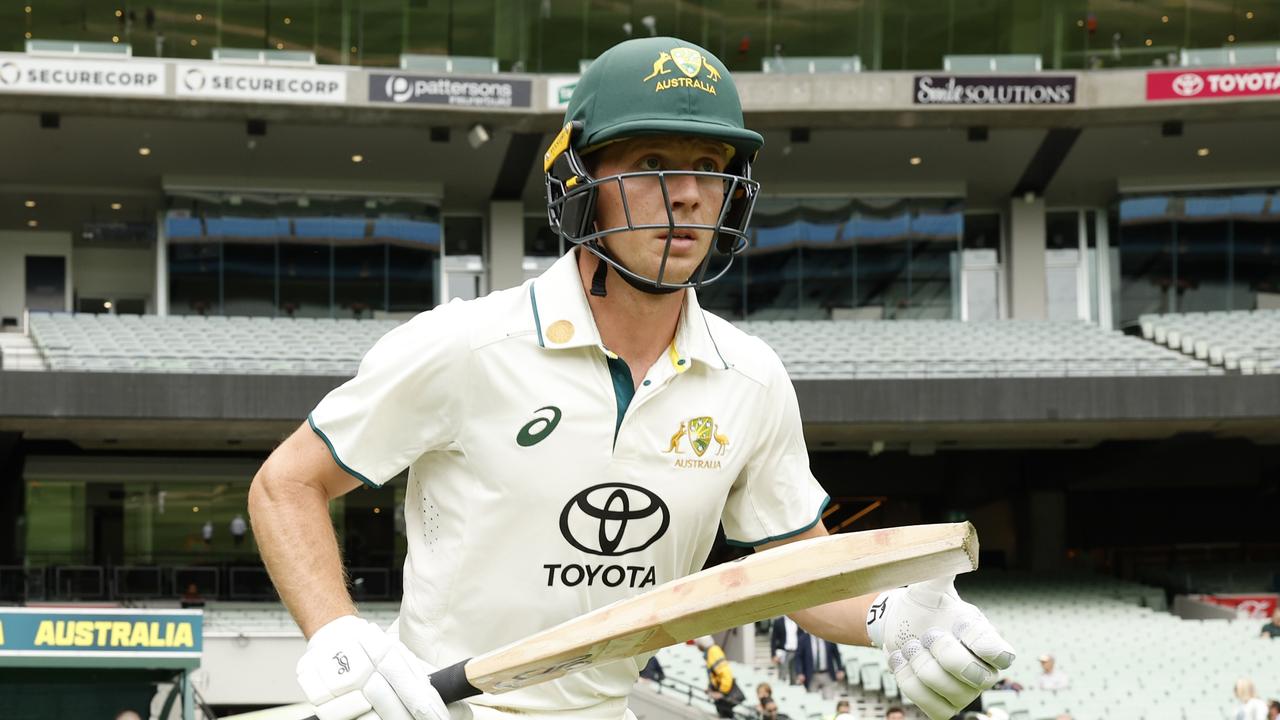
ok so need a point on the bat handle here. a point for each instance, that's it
(451, 682)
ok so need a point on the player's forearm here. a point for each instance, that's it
(296, 540)
(843, 622)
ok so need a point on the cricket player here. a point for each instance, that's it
(577, 440)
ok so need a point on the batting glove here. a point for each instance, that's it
(942, 650)
(352, 670)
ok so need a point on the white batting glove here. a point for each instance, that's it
(352, 670)
(942, 650)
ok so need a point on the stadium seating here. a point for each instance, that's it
(947, 348)
(1243, 340)
(1126, 657)
(820, 349)
(196, 344)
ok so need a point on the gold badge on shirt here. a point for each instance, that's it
(700, 432)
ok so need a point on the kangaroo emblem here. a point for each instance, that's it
(721, 440)
(711, 71)
(659, 66)
(675, 439)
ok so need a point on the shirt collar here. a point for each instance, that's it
(562, 318)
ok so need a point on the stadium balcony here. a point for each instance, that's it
(1247, 341)
(811, 350)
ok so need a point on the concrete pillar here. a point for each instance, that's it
(161, 294)
(1047, 517)
(506, 244)
(1026, 259)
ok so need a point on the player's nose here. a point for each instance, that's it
(683, 190)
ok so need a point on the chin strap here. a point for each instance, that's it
(602, 270)
(597, 279)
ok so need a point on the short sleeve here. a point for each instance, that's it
(776, 496)
(402, 403)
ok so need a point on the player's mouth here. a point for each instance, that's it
(682, 240)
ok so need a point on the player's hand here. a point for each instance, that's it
(942, 650)
(353, 670)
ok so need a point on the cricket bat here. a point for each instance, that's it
(776, 582)
(791, 577)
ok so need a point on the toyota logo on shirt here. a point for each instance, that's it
(1188, 84)
(614, 519)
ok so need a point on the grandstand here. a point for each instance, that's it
(1125, 655)
(819, 350)
(1248, 341)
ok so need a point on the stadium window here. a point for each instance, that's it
(981, 232)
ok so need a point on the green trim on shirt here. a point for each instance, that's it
(624, 389)
(784, 536)
(337, 459)
(537, 323)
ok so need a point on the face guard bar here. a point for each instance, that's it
(571, 205)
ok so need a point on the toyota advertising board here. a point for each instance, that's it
(263, 84)
(1206, 84)
(38, 75)
(489, 92)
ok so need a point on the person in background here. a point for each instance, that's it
(206, 532)
(895, 713)
(843, 711)
(238, 529)
(1273, 710)
(764, 691)
(769, 711)
(1251, 706)
(721, 687)
(1052, 678)
(818, 665)
(1272, 629)
(783, 640)
(653, 671)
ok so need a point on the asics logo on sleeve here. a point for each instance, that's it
(537, 429)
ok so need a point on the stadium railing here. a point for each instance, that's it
(991, 63)
(450, 64)
(811, 65)
(1227, 57)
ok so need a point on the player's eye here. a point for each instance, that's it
(650, 162)
(706, 165)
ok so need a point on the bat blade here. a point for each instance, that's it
(791, 577)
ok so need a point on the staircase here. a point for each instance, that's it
(17, 352)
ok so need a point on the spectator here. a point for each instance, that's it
(721, 687)
(843, 712)
(783, 640)
(206, 532)
(191, 598)
(1005, 683)
(818, 665)
(128, 715)
(1052, 678)
(769, 711)
(1273, 710)
(1251, 706)
(238, 528)
(1272, 629)
(895, 713)
(764, 691)
(653, 671)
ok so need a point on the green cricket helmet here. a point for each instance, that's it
(651, 86)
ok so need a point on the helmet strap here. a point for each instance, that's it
(598, 278)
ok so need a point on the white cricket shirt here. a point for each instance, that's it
(543, 484)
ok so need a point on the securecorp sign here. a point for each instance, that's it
(99, 633)
(1205, 84)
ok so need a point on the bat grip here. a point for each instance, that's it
(452, 683)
